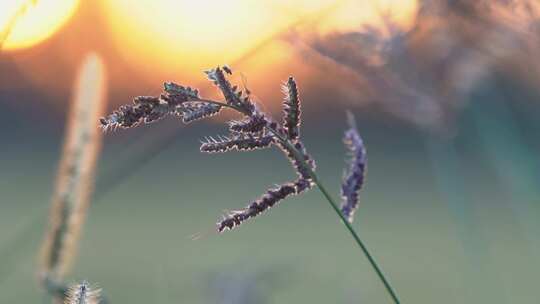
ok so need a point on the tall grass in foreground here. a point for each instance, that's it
(256, 130)
(75, 177)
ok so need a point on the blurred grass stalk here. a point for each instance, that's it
(75, 179)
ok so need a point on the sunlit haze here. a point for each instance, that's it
(189, 35)
(29, 23)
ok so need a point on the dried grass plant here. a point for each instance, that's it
(75, 180)
(256, 130)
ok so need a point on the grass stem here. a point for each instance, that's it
(356, 237)
(330, 200)
(347, 224)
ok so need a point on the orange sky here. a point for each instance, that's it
(145, 42)
(324, 44)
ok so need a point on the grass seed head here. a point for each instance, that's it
(291, 109)
(265, 202)
(255, 131)
(231, 94)
(355, 174)
(82, 293)
(254, 124)
(197, 111)
(239, 142)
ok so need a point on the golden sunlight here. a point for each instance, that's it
(25, 23)
(189, 35)
(185, 33)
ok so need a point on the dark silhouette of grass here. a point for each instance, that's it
(257, 130)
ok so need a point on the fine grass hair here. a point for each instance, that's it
(255, 130)
(83, 293)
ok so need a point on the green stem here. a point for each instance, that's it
(358, 241)
(331, 201)
(298, 156)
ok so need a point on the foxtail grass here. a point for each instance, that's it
(256, 130)
(75, 179)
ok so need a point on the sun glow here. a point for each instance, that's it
(24, 23)
(190, 35)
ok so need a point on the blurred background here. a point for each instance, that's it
(446, 97)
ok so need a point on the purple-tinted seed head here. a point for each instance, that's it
(177, 90)
(128, 116)
(301, 170)
(354, 176)
(239, 142)
(232, 97)
(192, 111)
(291, 109)
(265, 202)
(252, 124)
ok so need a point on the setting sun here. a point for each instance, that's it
(186, 33)
(190, 35)
(29, 23)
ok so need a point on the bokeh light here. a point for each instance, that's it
(26, 23)
(190, 35)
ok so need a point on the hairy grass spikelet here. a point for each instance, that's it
(194, 111)
(181, 92)
(230, 93)
(145, 109)
(82, 293)
(355, 174)
(177, 100)
(302, 171)
(239, 142)
(253, 124)
(291, 109)
(265, 202)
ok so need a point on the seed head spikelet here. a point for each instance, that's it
(253, 124)
(301, 170)
(180, 92)
(230, 93)
(82, 293)
(145, 109)
(241, 142)
(227, 69)
(265, 202)
(355, 174)
(291, 109)
(194, 111)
